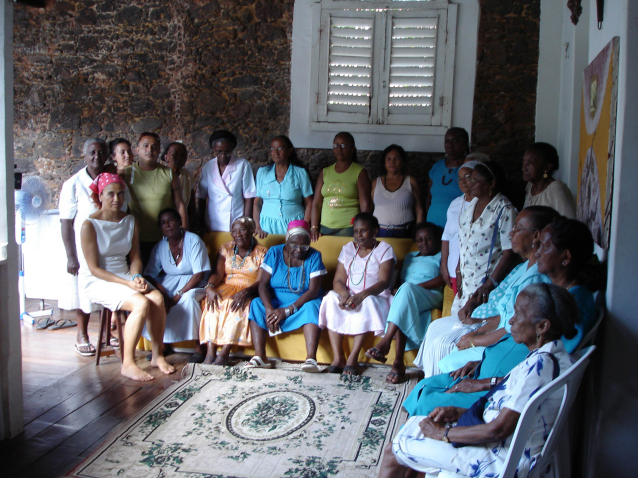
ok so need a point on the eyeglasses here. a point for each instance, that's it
(298, 247)
(341, 146)
(278, 149)
(464, 178)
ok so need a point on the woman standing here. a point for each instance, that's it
(121, 154)
(342, 190)
(226, 185)
(153, 187)
(360, 300)
(177, 268)
(108, 237)
(442, 187)
(175, 156)
(396, 196)
(411, 309)
(539, 163)
(284, 192)
(289, 295)
(229, 291)
(543, 313)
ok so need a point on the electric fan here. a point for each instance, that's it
(32, 202)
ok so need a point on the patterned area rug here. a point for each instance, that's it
(225, 422)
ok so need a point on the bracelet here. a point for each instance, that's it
(495, 282)
(293, 308)
(209, 285)
(314, 227)
(472, 343)
(179, 293)
(136, 275)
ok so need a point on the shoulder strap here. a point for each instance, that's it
(494, 233)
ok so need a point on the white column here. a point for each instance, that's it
(11, 412)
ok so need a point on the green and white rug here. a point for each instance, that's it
(225, 422)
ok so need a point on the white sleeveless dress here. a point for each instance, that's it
(114, 241)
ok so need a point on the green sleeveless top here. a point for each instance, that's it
(340, 196)
(150, 193)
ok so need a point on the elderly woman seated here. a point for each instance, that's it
(177, 268)
(289, 295)
(429, 444)
(229, 291)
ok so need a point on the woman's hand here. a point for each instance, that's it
(260, 233)
(274, 318)
(468, 385)
(482, 294)
(172, 302)
(465, 342)
(466, 370)
(314, 234)
(354, 301)
(138, 284)
(446, 414)
(445, 275)
(343, 298)
(238, 300)
(213, 298)
(431, 429)
(72, 266)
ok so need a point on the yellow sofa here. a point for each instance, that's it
(292, 346)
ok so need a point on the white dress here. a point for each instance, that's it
(225, 193)
(372, 313)
(114, 240)
(76, 204)
(451, 232)
(431, 456)
(182, 321)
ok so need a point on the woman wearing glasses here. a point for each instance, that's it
(342, 191)
(227, 183)
(284, 192)
(289, 295)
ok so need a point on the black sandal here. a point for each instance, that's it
(375, 354)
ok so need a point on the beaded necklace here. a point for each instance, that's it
(302, 279)
(179, 253)
(233, 265)
(365, 268)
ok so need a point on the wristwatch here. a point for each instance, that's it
(492, 381)
(445, 438)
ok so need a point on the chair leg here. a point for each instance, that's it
(120, 332)
(105, 322)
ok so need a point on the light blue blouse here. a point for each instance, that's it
(417, 269)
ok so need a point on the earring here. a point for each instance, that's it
(533, 245)
(545, 175)
(564, 263)
(490, 193)
(538, 336)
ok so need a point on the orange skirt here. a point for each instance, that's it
(221, 326)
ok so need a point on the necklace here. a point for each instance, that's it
(451, 171)
(365, 268)
(233, 265)
(179, 251)
(302, 279)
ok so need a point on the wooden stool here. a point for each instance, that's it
(105, 335)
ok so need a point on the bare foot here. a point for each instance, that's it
(135, 373)
(163, 365)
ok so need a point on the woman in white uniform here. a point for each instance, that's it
(108, 236)
(226, 188)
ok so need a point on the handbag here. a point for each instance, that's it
(474, 415)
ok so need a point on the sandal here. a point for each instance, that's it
(196, 358)
(86, 350)
(310, 366)
(375, 354)
(257, 362)
(114, 342)
(63, 324)
(44, 322)
(350, 370)
(208, 360)
(334, 369)
(219, 360)
(395, 378)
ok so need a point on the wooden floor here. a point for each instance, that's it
(70, 405)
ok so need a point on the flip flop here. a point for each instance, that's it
(310, 366)
(350, 370)
(44, 322)
(375, 354)
(114, 343)
(196, 358)
(395, 378)
(257, 362)
(85, 353)
(63, 324)
(334, 369)
(221, 361)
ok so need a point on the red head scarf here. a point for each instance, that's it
(103, 180)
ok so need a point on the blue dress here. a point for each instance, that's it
(586, 316)
(412, 305)
(282, 202)
(282, 296)
(445, 188)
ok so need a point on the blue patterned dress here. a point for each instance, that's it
(427, 455)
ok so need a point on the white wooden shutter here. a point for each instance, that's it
(345, 92)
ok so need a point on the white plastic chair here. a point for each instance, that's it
(547, 459)
(591, 335)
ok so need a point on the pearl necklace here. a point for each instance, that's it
(365, 268)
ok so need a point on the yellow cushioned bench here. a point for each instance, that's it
(292, 346)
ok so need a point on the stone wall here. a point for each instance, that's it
(185, 68)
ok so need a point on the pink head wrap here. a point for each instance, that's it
(298, 226)
(103, 180)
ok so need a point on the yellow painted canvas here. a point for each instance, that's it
(597, 142)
